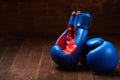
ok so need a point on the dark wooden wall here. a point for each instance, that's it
(50, 17)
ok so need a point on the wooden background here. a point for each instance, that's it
(50, 17)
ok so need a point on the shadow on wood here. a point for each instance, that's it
(77, 68)
(116, 73)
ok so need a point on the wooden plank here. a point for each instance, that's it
(107, 76)
(55, 73)
(17, 70)
(84, 73)
(70, 74)
(11, 49)
(33, 61)
(45, 63)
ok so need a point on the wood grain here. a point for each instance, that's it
(29, 59)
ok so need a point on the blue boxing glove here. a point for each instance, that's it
(102, 55)
(68, 47)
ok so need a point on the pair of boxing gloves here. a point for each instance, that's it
(72, 46)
